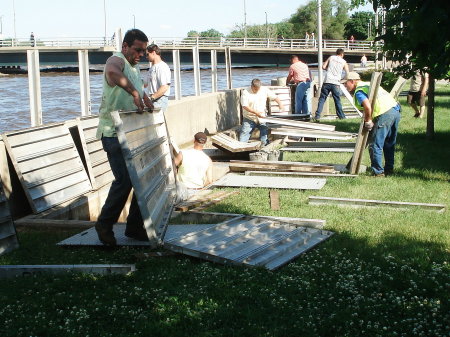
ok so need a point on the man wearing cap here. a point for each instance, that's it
(382, 121)
(194, 167)
(157, 80)
(254, 101)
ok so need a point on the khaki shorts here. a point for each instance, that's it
(414, 97)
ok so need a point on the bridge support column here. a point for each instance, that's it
(228, 67)
(85, 87)
(118, 39)
(214, 70)
(197, 80)
(34, 87)
(176, 73)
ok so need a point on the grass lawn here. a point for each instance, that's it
(384, 273)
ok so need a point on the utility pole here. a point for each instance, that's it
(267, 28)
(104, 15)
(376, 42)
(1, 24)
(369, 33)
(319, 40)
(14, 13)
(245, 23)
(134, 21)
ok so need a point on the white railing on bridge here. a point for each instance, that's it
(187, 42)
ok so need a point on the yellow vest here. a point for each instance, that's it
(116, 98)
(384, 101)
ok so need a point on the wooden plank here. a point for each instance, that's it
(322, 144)
(363, 134)
(397, 88)
(42, 222)
(241, 166)
(306, 125)
(233, 145)
(440, 208)
(350, 100)
(293, 174)
(312, 133)
(205, 202)
(274, 197)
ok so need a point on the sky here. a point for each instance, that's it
(86, 18)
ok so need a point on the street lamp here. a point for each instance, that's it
(1, 24)
(245, 22)
(14, 13)
(134, 21)
(319, 38)
(267, 28)
(104, 15)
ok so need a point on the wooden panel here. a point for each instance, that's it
(8, 238)
(48, 165)
(145, 146)
(320, 134)
(241, 166)
(224, 141)
(299, 124)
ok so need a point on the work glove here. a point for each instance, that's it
(368, 125)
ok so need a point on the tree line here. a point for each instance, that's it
(336, 24)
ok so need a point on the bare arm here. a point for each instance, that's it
(288, 79)
(178, 158)
(280, 105)
(252, 111)
(367, 110)
(325, 64)
(209, 175)
(346, 68)
(115, 77)
(161, 91)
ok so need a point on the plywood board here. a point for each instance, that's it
(298, 124)
(233, 145)
(236, 180)
(301, 133)
(242, 166)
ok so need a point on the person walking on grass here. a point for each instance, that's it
(122, 90)
(382, 122)
(418, 93)
(334, 66)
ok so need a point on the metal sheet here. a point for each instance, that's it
(96, 159)
(8, 237)
(236, 180)
(102, 269)
(145, 147)
(48, 165)
(89, 237)
(255, 242)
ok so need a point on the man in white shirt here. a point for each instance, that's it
(194, 168)
(334, 66)
(253, 101)
(157, 80)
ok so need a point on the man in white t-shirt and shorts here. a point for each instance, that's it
(194, 168)
(253, 101)
(158, 78)
(334, 66)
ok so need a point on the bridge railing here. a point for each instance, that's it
(205, 42)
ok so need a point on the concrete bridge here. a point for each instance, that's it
(254, 52)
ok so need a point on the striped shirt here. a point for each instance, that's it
(299, 72)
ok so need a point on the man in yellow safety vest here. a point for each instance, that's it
(382, 121)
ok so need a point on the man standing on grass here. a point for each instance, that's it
(382, 121)
(299, 75)
(157, 81)
(122, 90)
(334, 66)
(418, 92)
(254, 101)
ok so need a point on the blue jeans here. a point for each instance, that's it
(336, 92)
(382, 140)
(119, 190)
(247, 128)
(162, 103)
(301, 98)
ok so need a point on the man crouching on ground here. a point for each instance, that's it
(253, 102)
(382, 122)
(194, 168)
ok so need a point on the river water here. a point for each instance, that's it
(61, 93)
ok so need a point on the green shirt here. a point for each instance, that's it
(115, 98)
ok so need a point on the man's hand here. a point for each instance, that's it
(368, 125)
(148, 103)
(138, 101)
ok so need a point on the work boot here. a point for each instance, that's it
(388, 172)
(105, 235)
(379, 175)
(416, 115)
(139, 234)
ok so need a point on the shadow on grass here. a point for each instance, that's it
(424, 155)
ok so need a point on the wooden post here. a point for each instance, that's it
(363, 134)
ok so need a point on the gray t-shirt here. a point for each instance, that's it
(157, 75)
(334, 71)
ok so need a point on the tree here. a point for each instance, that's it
(193, 33)
(211, 33)
(358, 23)
(418, 38)
(334, 17)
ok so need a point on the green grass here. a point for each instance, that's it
(384, 273)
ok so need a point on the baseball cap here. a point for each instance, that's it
(200, 137)
(352, 75)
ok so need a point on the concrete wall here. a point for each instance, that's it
(210, 113)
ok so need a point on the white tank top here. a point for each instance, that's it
(334, 70)
(192, 171)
